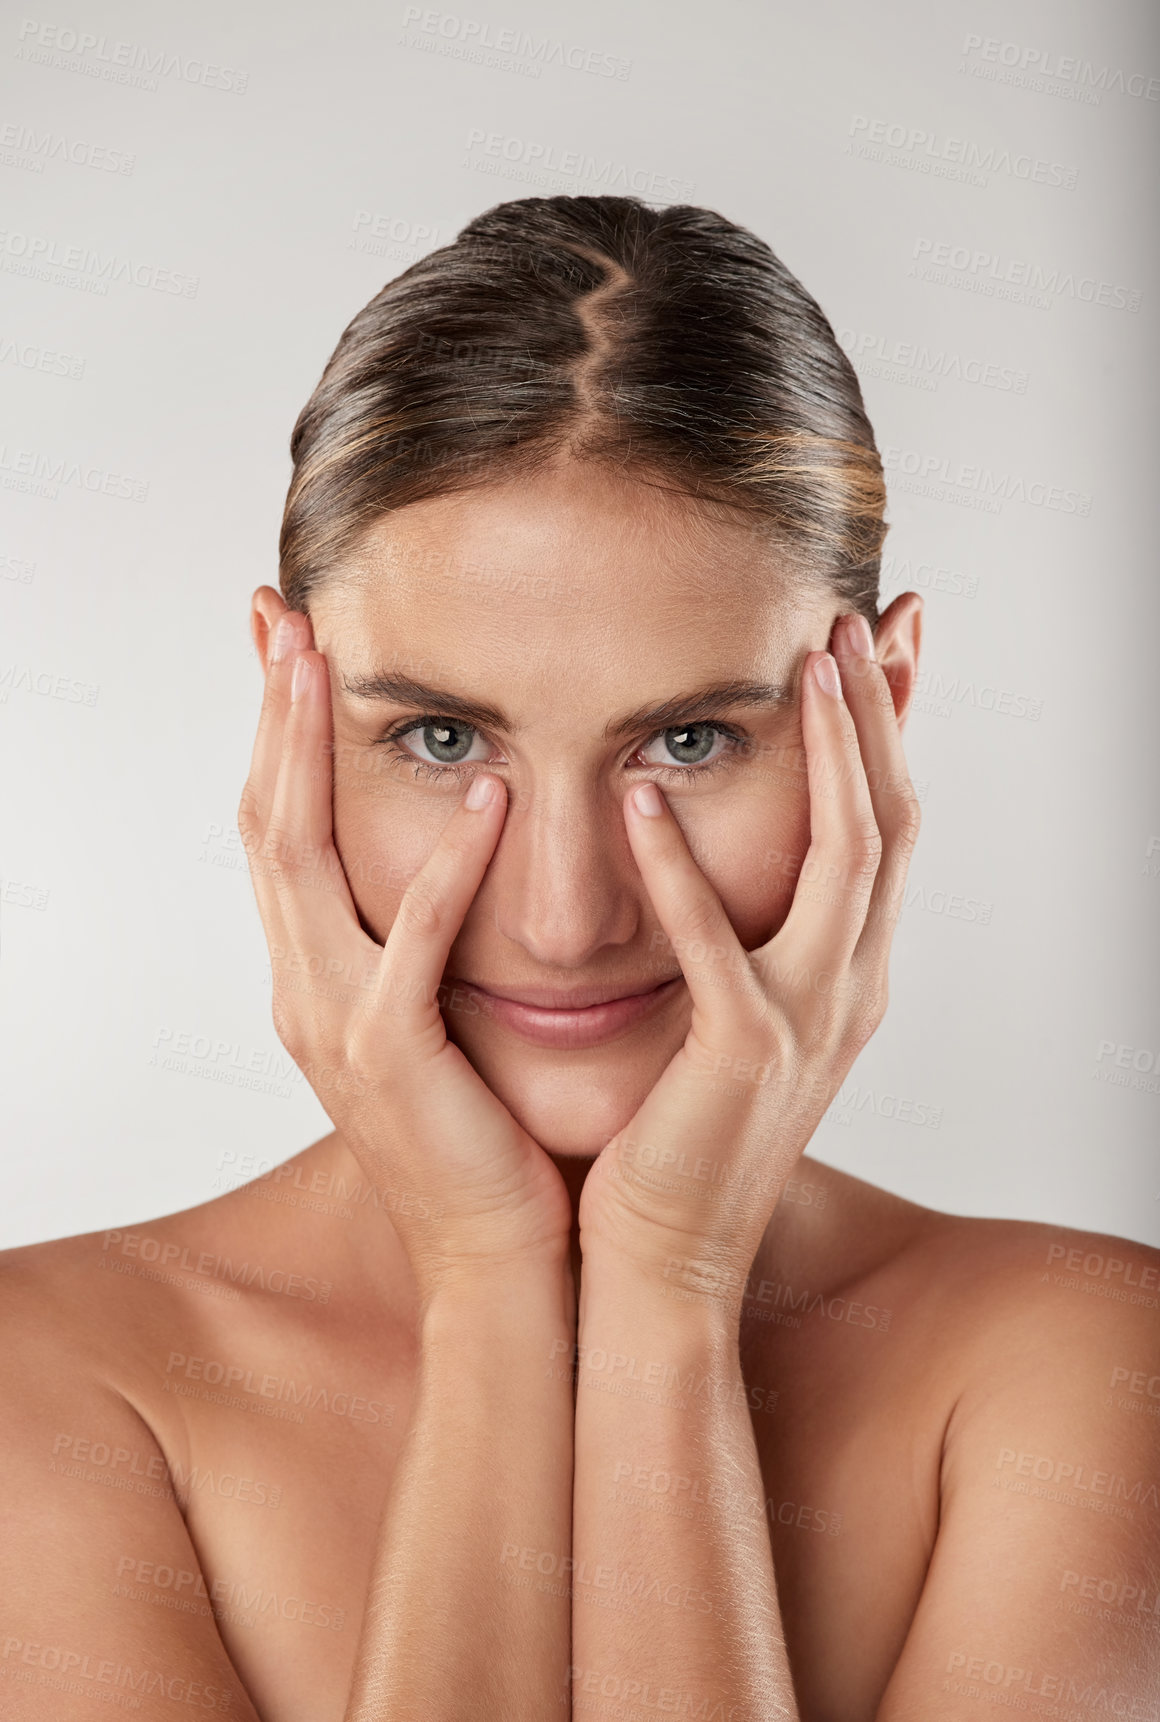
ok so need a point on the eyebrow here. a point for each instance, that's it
(696, 706)
(699, 704)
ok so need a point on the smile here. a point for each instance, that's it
(569, 1018)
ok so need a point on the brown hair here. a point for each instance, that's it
(669, 342)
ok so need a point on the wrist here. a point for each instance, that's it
(477, 1293)
(702, 1257)
(637, 1344)
(662, 1286)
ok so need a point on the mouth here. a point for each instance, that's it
(564, 1018)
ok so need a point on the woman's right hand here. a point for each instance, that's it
(468, 1186)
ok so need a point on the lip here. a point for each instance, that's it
(569, 1018)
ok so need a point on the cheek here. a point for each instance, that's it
(383, 833)
(752, 849)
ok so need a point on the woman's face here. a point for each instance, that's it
(567, 628)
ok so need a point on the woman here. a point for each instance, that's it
(555, 1380)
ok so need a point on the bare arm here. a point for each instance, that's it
(461, 1621)
(676, 1604)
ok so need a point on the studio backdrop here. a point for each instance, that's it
(195, 203)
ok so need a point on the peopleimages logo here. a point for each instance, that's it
(987, 56)
(480, 38)
(120, 62)
(915, 147)
(80, 266)
(1010, 278)
(25, 147)
(931, 474)
(925, 367)
(27, 356)
(540, 163)
(38, 474)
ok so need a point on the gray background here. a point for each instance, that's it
(279, 164)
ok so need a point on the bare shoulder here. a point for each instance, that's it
(1054, 1345)
(271, 1240)
(1024, 1369)
(67, 1317)
(979, 1281)
(69, 1336)
(200, 1414)
(1023, 1290)
(86, 1480)
(85, 1324)
(976, 1403)
(128, 1455)
(894, 1304)
(98, 1296)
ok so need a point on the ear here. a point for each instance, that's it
(266, 611)
(897, 640)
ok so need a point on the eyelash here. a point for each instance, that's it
(427, 770)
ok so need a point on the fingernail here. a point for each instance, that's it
(859, 635)
(283, 639)
(480, 792)
(302, 673)
(826, 671)
(646, 798)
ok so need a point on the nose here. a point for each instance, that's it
(563, 882)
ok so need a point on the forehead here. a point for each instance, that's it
(573, 568)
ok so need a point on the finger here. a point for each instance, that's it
(896, 807)
(713, 961)
(830, 902)
(289, 636)
(318, 911)
(317, 945)
(435, 902)
(257, 797)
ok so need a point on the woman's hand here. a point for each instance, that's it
(467, 1185)
(695, 1175)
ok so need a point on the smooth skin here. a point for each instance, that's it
(827, 1454)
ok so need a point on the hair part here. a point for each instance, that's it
(668, 343)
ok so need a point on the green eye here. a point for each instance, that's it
(448, 742)
(687, 744)
(692, 744)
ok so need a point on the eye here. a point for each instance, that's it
(436, 746)
(447, 741)
(691, 744)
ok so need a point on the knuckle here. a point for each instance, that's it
(697, 919)
(828, 1013)
(286, 1023)
(864, 848)
(283, 849)
(249, 817)
(747, 1031)
(276, 844)
(419, 912)
(359, 1054)
(908, 819)
(869, 1008)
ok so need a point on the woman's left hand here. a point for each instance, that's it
(688, 1187)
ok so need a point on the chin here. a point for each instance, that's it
(569, 1105)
